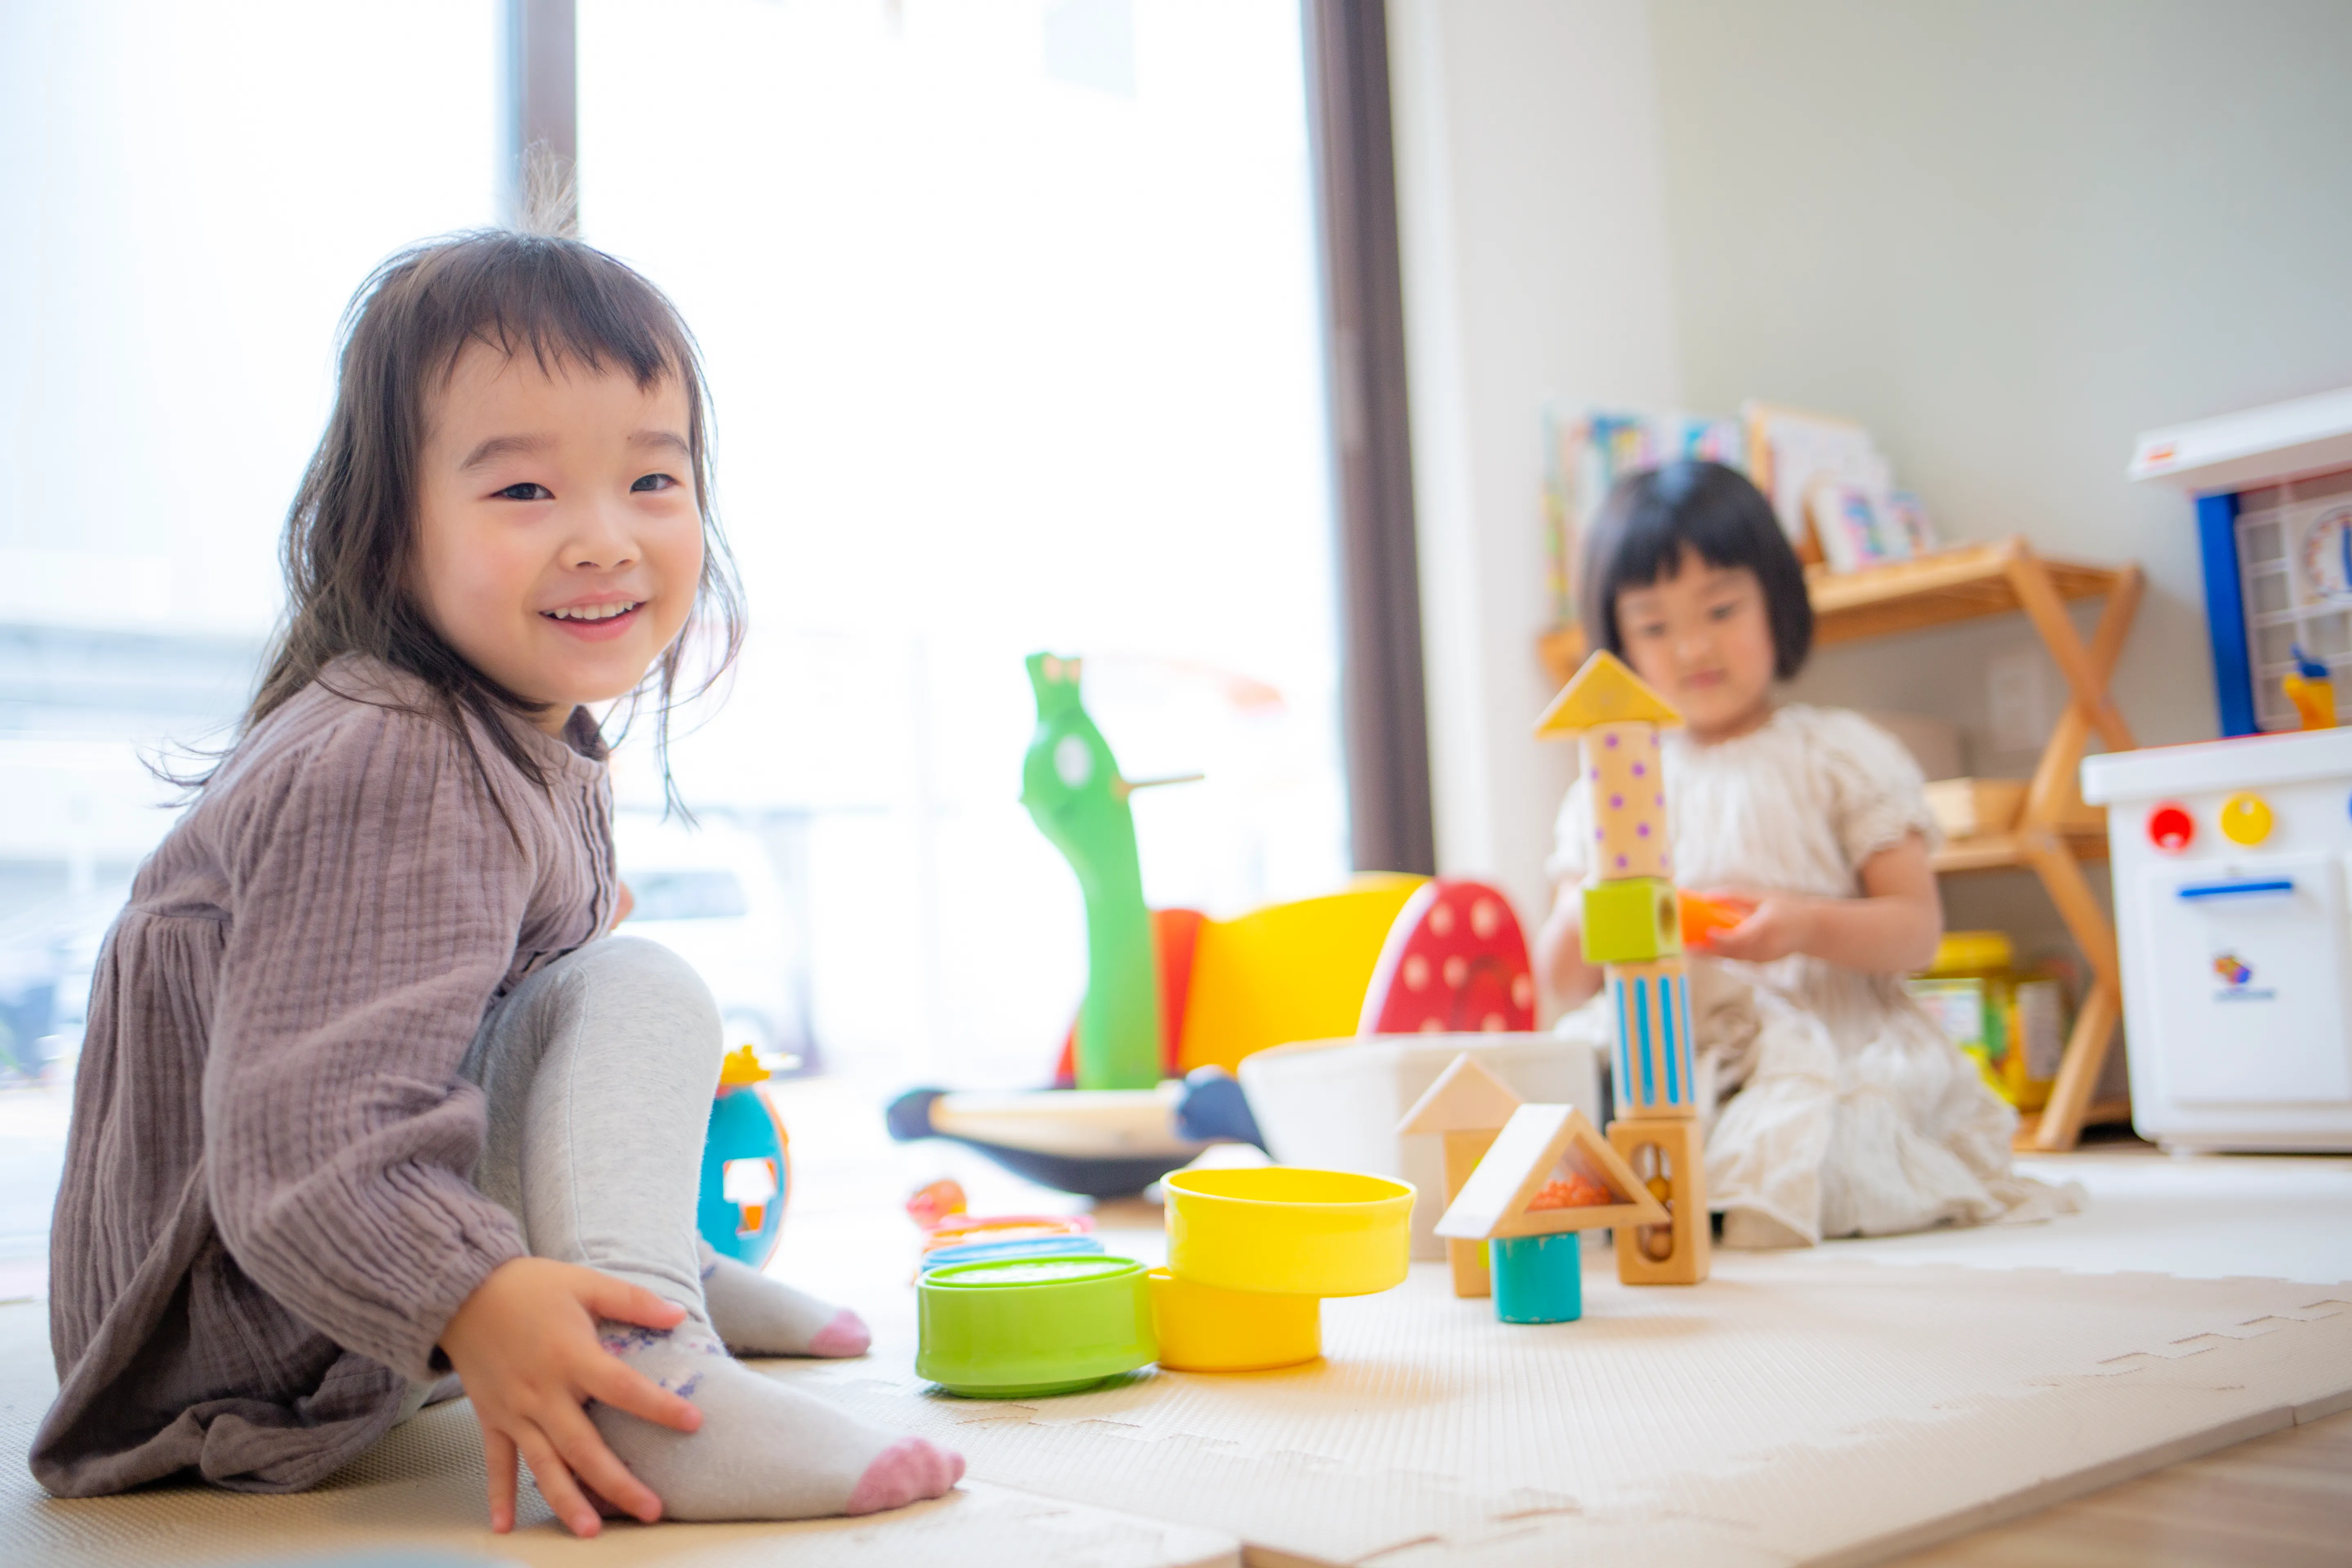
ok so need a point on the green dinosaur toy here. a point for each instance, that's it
(1072, 786)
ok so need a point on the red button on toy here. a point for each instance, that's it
(2170, 828)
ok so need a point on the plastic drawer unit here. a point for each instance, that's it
(2231, 862)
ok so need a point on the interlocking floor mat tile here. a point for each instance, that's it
(1790, 1410)
(1820, 1407)
(422, 1488)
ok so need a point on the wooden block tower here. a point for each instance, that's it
(1632, 931)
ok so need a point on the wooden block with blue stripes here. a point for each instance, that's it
(1651, 1006)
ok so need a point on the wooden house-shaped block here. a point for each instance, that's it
(1548, 1172)
(1468, 1107)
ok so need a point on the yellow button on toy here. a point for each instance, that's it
(2245, 819)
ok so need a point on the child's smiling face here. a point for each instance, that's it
(559, 547)
(1700, 634)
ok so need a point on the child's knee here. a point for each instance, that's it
(641, 976)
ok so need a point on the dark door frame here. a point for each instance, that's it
(1383, 705)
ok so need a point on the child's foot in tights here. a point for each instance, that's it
(763, 1451)
(760, 1316)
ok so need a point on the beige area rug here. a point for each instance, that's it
(1798, 1408)
(1820, 1407)
(421, 1490)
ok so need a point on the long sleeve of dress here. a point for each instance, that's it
(379, 893)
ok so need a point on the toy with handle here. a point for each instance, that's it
(745, 1165)
(2311, 689)
(1072, 787)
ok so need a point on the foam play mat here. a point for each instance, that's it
(416, 1501)
(1813, 1407)
(1817, 1407)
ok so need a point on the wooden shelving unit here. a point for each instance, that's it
(2048, 839)
(1996, 579)
(1962, 583)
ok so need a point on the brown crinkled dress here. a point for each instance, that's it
(266, 1214)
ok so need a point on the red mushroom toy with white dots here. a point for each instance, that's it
(1456, 963)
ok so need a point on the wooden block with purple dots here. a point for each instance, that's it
(1628, 790)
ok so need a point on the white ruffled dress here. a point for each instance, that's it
(1834, 1104)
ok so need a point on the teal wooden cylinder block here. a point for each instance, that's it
(1537, 1278)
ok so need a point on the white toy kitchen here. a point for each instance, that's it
(2231, 860)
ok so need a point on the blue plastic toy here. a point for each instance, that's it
(746, 1166)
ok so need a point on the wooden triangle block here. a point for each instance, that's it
(1604, 692)
(1551, 1171)
(1465, 1098)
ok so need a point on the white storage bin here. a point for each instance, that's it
(1335, 1104)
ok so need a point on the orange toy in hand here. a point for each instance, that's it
(1702, 918)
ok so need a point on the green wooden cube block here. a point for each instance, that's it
(1631, 920)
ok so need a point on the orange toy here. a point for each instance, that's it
(936, 1203)
(1701, 917)
(961, 1228)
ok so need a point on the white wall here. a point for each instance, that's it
(1535, 270)
(2007, 236)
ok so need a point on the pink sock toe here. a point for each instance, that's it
(845, 1335)
(908, 1471)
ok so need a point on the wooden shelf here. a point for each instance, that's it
(2000, 851)
(2102, 1113)
(1963, 583)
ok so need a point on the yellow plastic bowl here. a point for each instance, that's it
(1288, 1231)
(1202, 1328)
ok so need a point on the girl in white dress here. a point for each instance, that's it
(1835, 1105)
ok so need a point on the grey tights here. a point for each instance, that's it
(598, 1071)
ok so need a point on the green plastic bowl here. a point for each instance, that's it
(1019, 1327)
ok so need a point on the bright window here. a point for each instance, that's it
(1011, 316)
(1010, 308)
(192, 193)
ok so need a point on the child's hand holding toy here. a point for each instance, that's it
(1890, 929)
(1702, 917)
(1748, 923)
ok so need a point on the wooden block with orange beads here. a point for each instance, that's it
(1670, 1159)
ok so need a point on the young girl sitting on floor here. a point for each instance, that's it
(1837, 1106)
(370, 1096)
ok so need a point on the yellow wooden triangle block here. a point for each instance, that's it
(1465, 1098)
(1604, 692)
(1544, 1148)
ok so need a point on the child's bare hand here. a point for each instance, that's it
(1776, 925)
(525, 1343)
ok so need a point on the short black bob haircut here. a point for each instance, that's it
(1650, 518)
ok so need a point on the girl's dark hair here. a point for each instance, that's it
(1650, 519)
(351, 531)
